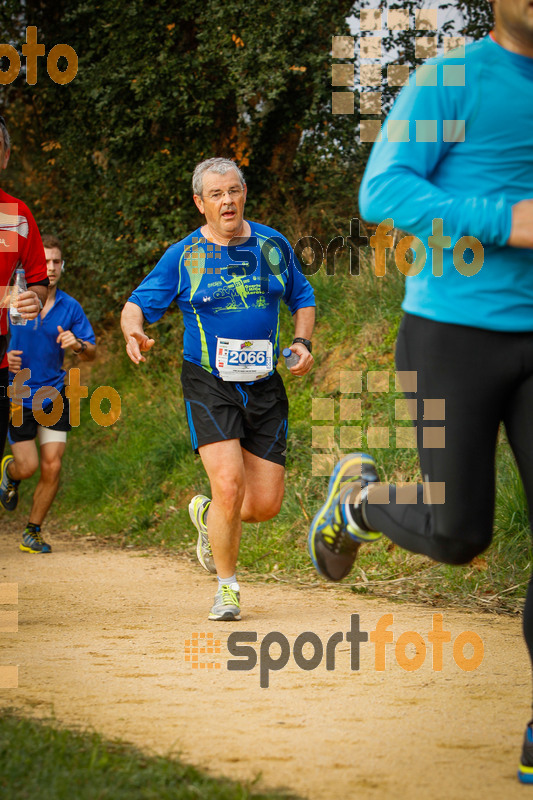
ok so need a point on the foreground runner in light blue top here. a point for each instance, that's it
(228, 278)
(454, 161)
(479, 166)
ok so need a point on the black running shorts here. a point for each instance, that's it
(29, 428)
(256, 413)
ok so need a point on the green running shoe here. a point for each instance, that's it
(333, 542)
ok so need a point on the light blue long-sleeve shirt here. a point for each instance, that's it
(469, 175)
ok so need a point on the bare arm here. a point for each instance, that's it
(304, 322)
(137, 342)
(89, 353)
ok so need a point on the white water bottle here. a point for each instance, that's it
(19, 286)
(291, 359)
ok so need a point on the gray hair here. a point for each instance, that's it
(218, 165)
(5, 134)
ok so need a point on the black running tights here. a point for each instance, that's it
(484, 377)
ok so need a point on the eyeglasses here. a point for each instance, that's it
(234, 193)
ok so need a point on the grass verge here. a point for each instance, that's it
(39, 760)
(131, 483)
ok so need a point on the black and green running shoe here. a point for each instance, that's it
(9, 489)
(333, 540)
(33, 542)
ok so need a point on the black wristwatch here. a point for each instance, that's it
(307, 343)
(83, 346)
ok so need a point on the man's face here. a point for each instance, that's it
(222, 203)
(53, 264)
(515, 18)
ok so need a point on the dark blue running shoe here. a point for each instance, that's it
(333, 543)
(525, 768)
(32, 541)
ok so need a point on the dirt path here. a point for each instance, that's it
(102, 639)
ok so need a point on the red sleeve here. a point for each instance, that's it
(32, 250)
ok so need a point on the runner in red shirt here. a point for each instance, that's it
(20, 246)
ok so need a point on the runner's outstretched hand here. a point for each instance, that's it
(136, 344)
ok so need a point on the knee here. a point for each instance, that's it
(228, 491)
(25, 469)
(264, 507)
(50, 468)
(459, 551)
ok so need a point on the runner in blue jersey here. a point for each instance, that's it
(228, 278)
(454, 168)
(40, 349)
(226, 292)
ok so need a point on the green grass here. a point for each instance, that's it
(131, 483)
(49, 763)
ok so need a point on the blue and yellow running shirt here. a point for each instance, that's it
(40, 350)
(226, 292)
(457, 146)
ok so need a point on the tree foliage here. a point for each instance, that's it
(106, 160)
(477, 17)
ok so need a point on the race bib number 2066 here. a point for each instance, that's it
(244, 359)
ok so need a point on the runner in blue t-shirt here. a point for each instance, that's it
(228, 278)
(455, 160)
(40, 349)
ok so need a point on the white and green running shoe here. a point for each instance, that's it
(197, 510)
(227, 603)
